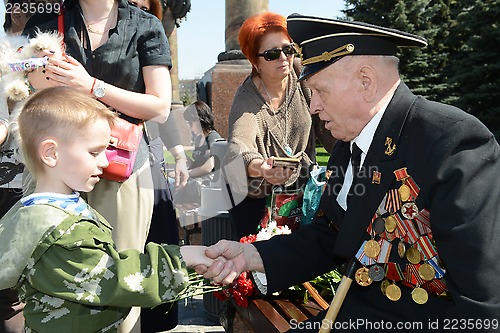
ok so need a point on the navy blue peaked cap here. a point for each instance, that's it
(321, 41)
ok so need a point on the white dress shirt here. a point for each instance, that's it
(363, 141)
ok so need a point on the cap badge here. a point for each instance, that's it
(298, 49)
(327, 56)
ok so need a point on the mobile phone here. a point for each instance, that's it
(286, 162)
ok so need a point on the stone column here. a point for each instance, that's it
(237, 11)
(174, 72)
(232, 67)
(171, 31)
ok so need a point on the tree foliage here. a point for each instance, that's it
(460, 65)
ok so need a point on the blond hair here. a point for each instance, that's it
(59, 113)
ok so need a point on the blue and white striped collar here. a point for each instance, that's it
(70, 202)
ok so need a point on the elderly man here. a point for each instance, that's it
(413, 197)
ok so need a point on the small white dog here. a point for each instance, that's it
(14, 84)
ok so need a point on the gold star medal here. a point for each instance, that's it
(362, 277)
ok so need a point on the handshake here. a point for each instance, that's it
(224, 261)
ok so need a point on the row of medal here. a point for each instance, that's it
(398, 220)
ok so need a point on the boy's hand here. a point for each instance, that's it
(194, 255)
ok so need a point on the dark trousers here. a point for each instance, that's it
(11, 310)
(8, 197)
(246, 216)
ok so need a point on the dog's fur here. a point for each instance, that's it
(14, 86)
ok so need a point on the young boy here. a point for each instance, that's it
(56, 249)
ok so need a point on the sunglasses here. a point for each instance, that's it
(144, 8)
(273, 54)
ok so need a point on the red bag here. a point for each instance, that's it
(122, 150)
(285, 208)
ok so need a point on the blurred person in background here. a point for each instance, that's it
(269, 118)
(163, 227)
(200, 118)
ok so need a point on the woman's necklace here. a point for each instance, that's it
(98, 32)
(288, 149)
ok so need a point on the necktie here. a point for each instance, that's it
(356, 163)
(355, 159)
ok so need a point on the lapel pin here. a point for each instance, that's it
(390, 148)
(376, 176)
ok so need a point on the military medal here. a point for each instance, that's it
(419, 295)
(383, 286)
(393, 292)
(426, 272)
(376, 273)
(372, 248)
(390, 223)
(404, 192)
(413, 255)
(362, 277)
(401, 249)
(409, 210)
(379, 225)
(376, 176)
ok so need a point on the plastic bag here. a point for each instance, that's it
(312, 194)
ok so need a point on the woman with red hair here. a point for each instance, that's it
(269, 118)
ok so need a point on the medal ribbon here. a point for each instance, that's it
(414, 188)
(412, 276)
(439, 270)
(385, 251)
(390, 236)
(423, 221)
(435, 286)
(369, 229)
(412, 234)
(425, 246)
(362, 257)
(393, 271)
(381, 208)
(393, 203)
(401, 174)
(400, 225)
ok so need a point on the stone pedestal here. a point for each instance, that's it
(226, 77)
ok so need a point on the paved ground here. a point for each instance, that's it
(194, 318)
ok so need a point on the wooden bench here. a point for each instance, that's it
(270, 315)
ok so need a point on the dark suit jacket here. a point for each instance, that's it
(456, 162)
